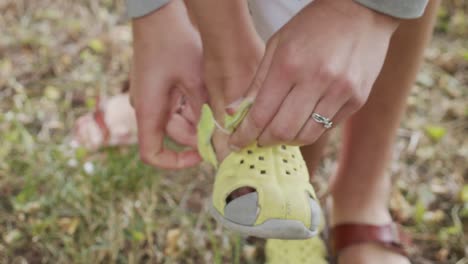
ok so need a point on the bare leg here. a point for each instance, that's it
(361, 188)
(232, 52)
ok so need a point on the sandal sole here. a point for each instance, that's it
(272, 228)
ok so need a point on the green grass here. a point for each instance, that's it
(120, 212)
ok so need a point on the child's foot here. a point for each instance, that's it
(112, 123)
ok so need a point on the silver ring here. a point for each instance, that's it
(326, 122)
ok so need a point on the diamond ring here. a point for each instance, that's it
(326, 122)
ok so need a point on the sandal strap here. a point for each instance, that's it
(389, 236)
(98, 116)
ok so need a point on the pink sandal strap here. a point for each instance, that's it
(98, 116)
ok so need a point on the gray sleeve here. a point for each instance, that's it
(405, 9)
(139, 8)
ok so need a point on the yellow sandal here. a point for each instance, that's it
(310, 251)
(283, 204)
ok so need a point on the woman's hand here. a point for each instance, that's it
(325, 61)
(167, 61)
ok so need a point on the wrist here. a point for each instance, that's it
(357, 11)
(231, 55)
(226, 29)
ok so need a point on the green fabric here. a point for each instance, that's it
(310, 251)
(278, 174)
(205, 130)
(206, 127)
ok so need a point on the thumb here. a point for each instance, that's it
(181, 130)
(153, 111)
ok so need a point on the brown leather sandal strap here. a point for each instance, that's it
(389, 236)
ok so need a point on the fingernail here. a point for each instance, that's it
(232, 107)
(230, 111)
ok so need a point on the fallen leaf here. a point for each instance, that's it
(12, 236)
(31, 207)
(172, 238)
(249, 252)
(400, 206)
(52, 93)
(69, 224)
(97, 46)
(442, 255)
(418, 214)
(137, 236)
(465, 55)
(434, 216)
(464, 193)
(436, 133)
(425, 78)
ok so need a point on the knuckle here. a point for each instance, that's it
(148, 155)
(357, 102)
(263, 141)
(304, 139)
(256, 85)
(282, 133)
(341, 90)
(290, 63)
(308, 138)
(327, 72)
(257, 119)
(346, 86)
(348, 82)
